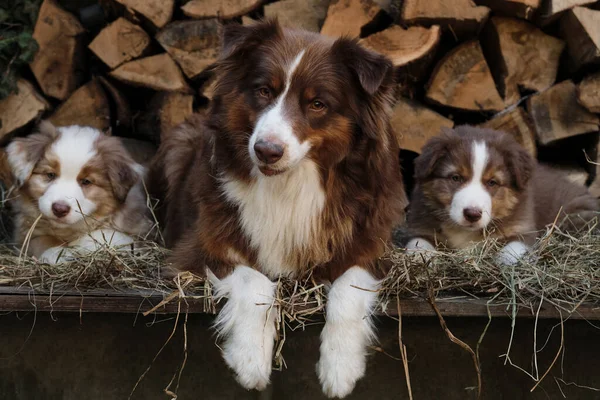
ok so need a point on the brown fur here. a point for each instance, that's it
(527, 197)
(352, 145)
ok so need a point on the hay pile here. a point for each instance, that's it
(563, 270)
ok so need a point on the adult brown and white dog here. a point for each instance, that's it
(473, 182)
(77, 188)
(294, 166)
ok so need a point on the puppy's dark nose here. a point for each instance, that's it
(268, 151)
(60, 209)
(472, 214)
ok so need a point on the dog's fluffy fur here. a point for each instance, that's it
(83, 186)
(294, 166)
(473, 182)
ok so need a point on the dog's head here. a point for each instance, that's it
(72, 172)
(284, 96)
(473, 176)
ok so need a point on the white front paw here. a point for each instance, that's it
(339, 367)
(56, 255)
(250, 358)
(420, 246)
(512, 253)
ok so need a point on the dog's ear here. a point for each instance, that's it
(24, 153)
(238, 39)
(372, 69)
(123, 172)
(434, 150)
(520, 164)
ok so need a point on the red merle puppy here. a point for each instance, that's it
(293, 167)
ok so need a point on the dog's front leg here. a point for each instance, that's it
(348, 331)
(247, 324)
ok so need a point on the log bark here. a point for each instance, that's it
(157, 72)
(158, 12)
(588, 93)
(404, 46)
(58, 62)
(557, 115)
(552, 10)
(517, 123)
(462, 80)
(120, 42)
(414, 124)
(19, 109)
(120, 105)
(306, 14)
(460, 17)
(194, 45)
(580, 27)
(524, 9)
(165, 111)
(349, 17)
(520, 56)
(87, 106)
(223, 9)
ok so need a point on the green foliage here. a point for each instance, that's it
(17, 46)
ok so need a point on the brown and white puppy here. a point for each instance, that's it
(473, 182)
(82, 185)
(294, 167)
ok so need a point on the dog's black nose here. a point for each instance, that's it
(60, 209)
(472, 214)
(268, 151)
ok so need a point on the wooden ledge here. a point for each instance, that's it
(12, 299)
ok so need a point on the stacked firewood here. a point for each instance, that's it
(529, 67)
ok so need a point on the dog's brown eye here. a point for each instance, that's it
(456, 178)
(317, 105)
(492, 183)
(264, 92)
(51, 176)
(85, 182)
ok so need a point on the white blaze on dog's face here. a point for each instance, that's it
(273, 145)
(64, 200)
(71, 173)
(471, 206)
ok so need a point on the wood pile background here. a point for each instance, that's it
(139, 67)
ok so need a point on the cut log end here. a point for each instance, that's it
(157, 72)
(120, 42)
(19, 109)
(463, 80)
(219, 9)
(414, 124)
(347, 18)
(557, 115)
(518, 124)
(588, 93)
(158, 12)
(87, 106)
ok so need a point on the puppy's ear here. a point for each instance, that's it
(24, 153)
(372, 69)
(433, 151)
(238, 39)
(123, 172)
(520, 164)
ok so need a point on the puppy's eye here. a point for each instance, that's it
(492, 183)
(51, 176)
(456, 178)
(264, 92)
(317, 105)
(85, 182)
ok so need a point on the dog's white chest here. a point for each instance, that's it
(280, 215)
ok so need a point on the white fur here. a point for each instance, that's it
(348, 331)
(17, 159)
(90, 242)
(274, 124)
(74, 147)
(474, 194)
(512, 253)
(247, 323)
(279, 214)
